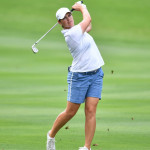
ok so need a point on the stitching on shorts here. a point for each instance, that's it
(70, 85)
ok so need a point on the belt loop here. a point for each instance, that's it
(69, 68)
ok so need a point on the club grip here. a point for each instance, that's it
(74, 9)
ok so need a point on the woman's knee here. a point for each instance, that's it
(72, 109)
(91, 106)
(90, 112)
(70, 113)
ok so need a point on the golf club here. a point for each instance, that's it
(34, 49)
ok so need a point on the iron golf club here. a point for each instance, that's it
(34, 49)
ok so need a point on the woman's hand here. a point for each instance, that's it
(78, 6)
(86, 22)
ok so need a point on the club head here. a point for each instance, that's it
(34, 49)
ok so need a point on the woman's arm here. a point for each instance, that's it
(89, 28)
(86, 22)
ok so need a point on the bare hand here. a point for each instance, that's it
(78, 7)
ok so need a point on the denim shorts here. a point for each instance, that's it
(83, 85)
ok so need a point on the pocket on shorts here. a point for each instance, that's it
(71, 77)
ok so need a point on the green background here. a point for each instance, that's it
(33, 87)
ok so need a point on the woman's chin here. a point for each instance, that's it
(69, 26)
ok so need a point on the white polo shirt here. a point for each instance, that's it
(85, 53)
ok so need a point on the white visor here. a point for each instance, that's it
(60, 14)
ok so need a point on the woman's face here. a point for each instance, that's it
(67, 22)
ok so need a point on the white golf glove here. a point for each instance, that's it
(79, 2)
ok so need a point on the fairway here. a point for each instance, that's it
(33, 87)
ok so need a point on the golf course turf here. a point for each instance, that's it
(33, 87)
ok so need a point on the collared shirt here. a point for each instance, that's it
(85, 53)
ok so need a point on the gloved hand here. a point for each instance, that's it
(79, 2)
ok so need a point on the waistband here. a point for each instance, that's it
(86, 73)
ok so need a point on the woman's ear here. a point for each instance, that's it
(59, 22)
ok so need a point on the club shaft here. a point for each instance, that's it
(46, 33)
(49, 31)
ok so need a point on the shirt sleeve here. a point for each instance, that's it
(75, 34)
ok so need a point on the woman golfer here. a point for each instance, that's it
(85, 76)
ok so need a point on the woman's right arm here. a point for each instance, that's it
(86, 22)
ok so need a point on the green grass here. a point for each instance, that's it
(33, 87)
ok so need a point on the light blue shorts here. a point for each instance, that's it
(83, 85)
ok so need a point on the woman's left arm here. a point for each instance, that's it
(85, 23)
(89, 28)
